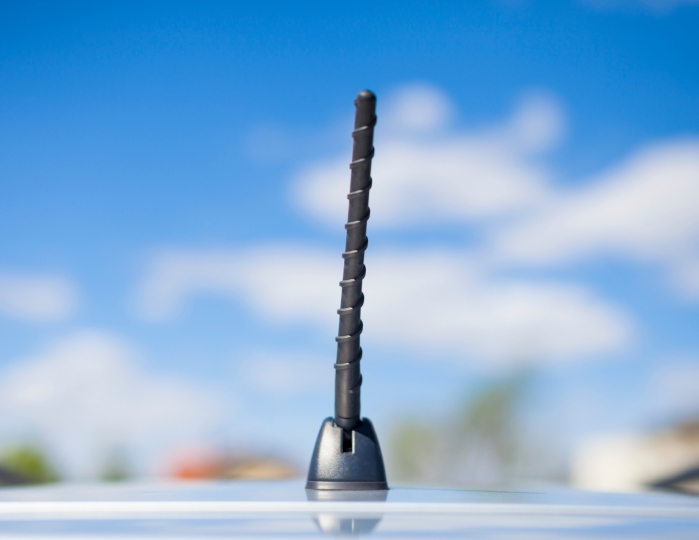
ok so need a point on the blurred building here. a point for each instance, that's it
(208, 464)
(664, 459)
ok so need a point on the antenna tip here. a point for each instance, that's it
(365, 96)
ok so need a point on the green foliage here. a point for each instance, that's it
(413, 447)
(489, 421)
(28, 463)
(116, 468)
(481, 441)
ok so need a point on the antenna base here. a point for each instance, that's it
(359, 467)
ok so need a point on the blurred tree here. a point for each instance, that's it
(29, 464)
(488, 440)
(414, 448)
(116, 467)
(483, 441)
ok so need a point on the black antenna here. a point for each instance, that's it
(347, 453)
(348, 379)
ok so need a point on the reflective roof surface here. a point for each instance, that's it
(286, 509)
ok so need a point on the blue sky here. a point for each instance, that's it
(167, 169)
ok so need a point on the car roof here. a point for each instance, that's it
(286, 509)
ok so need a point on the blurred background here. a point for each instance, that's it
(172, 194)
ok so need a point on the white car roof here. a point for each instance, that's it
(286, 509)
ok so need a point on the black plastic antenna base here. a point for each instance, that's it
(358, 467)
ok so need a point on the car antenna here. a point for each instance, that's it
(347, 455)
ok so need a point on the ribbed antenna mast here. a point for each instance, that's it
(348, 377)
(347, 455)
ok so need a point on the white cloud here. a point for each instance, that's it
(282, 374)
(417, 108)
(440, 301)
(275, 281)
(446, 177)
(36, 298)
(436, 302)
(86, 394)
(537, 125)
(645, 208)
